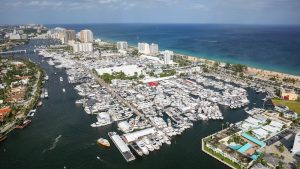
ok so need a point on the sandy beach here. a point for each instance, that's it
(263, 74)
(260, 73)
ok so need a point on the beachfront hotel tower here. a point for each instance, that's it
(147, 49)
(86, 36)
(122, 45)
(154, 49)
(144, 48)
(69, 35)
(168, 57)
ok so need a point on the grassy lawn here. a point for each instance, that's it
(222, 158)
(292, 105)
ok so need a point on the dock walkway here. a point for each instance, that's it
(117, 96)
(122, 147)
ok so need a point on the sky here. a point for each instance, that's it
(150, 11)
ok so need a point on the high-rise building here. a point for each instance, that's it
(69, 35)
(82, 47)
(168, 57)
(86, 36)
(122, 45)
(144, 48)
(61, 33)
(153, 49)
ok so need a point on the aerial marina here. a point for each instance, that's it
(144, 106)
(161, 108)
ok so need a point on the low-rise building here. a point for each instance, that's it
(130, 137)
(129, 70)
(82, 47)
(289, 95)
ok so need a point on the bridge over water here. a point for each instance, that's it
(14, 52)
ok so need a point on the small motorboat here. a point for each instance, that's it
(103, 142)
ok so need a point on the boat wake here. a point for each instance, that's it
(53, 144)
(104, 162)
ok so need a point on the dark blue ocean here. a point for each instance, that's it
(268, 47)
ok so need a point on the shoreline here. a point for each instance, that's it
(32, 102)
(259, 72)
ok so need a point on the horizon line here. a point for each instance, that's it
(162, 23)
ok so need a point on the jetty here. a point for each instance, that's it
(122, 147)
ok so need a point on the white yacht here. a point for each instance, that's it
(148, 144)
(100, 123)
(142, 146)
(46, 93)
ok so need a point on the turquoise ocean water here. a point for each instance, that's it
(268, 47)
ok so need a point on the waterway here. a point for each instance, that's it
(60, 135)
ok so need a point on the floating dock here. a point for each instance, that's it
(123, 148)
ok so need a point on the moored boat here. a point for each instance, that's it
(24, 124)
(40, 103)
(2, 137)
(46, 93)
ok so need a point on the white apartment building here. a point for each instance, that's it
(122, 45)
(86, 36)
(14, 35)
(82, 47)
(147, 49)
(168, 57)
(154, 49)
(144, 48)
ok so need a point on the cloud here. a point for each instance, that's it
(34, 3)
(107, 1)
(44, 3)
(198, 6)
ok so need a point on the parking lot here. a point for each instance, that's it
(286, 138)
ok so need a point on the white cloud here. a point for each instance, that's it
(44, 4)
(107, 1)
(198, 6)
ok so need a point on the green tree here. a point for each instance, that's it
(151, 73)
(205, 69)
(216, 65)
(227, 66)
(238, 68)
(141, 76)
(134, 52)
(281, 148)
(280, 165)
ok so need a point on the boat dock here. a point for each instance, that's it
(122, 147)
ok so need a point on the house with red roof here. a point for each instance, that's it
(3, 112)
